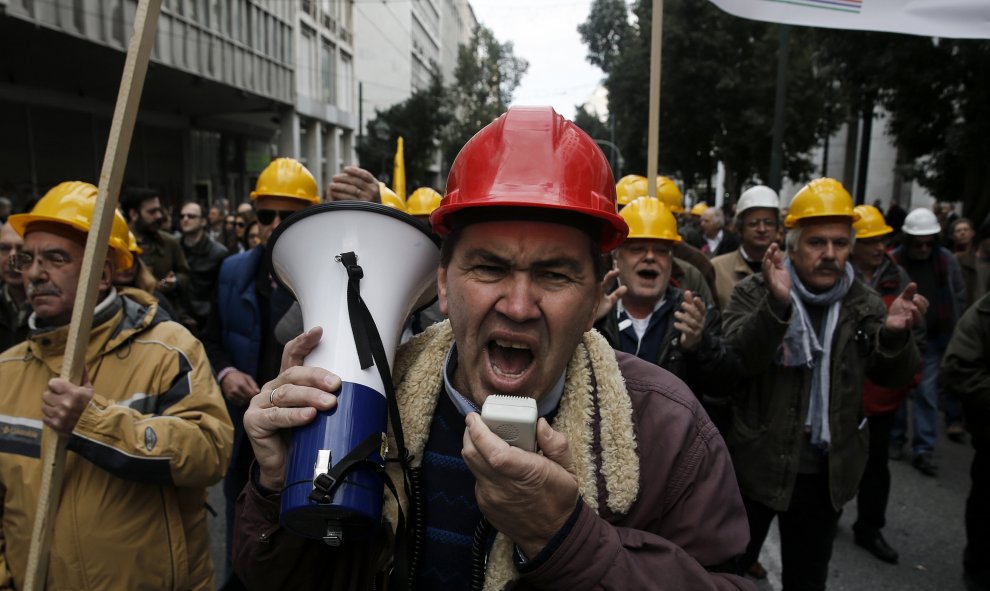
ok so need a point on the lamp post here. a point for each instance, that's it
(617, 161)
(381, 131)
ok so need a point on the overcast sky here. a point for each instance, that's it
(544, 32)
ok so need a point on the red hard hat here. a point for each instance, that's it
(533, 157)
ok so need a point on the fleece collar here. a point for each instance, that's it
(593, 383)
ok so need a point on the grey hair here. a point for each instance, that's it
(718, 216)
(793, 237)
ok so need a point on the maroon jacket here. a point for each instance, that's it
(683, 530)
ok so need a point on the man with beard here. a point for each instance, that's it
(807, 334)
(14, 305)
(633, 481)
(204, 256)
(159, 250)
(147, 431)
(757, 218)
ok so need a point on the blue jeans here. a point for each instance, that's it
(925, 399)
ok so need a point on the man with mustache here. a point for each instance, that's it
(147, 428)
(807, 333)
(14, 305)
(633, 481)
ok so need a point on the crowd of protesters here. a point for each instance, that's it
(822, 339)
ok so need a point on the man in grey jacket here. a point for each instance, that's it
(633, 481)
(807, 333)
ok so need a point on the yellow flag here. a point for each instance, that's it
(399, 171)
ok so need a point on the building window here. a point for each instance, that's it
(306, 66)
(328, 73)
(346, 83)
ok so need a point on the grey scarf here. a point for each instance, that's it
(801, 347)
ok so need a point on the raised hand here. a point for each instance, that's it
(608, 300)
(690, 320)
(776, 275)
(907, 310)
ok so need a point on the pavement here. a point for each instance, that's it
(924, 524)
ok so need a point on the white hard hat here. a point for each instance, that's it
(758, 196)
(921, 222)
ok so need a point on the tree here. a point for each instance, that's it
(420, 120)
(939, 117)
(717, 93)
(486, 75)
(606, 32)
(935, 92)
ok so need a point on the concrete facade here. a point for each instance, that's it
(397, 44)
(882, 180)
(232, 84)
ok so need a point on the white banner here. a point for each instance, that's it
(960, 19)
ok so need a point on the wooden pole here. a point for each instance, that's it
(111, 178)
(653, 141)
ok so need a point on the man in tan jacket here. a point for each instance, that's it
(757, 219)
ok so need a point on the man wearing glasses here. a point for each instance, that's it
(146, 426)
(159, 249)
(14, 305)
(940, 280)
(204, 256)
(248, 304)
(757, 218)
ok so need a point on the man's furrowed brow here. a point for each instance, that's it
(483, 255)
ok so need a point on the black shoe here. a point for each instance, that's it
(956, 433)
(877, 546)
(923, 462)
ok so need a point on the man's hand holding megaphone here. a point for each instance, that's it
(290, 400)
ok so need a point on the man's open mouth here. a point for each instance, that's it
(648, 274)
(509, 358)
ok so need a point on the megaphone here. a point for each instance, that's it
(333, 257)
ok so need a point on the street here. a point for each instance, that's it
(924, 524)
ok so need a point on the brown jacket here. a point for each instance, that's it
(660, 498)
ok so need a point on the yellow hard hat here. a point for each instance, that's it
(649, 218)
(390, 198)
(630, 187)
(286, 177)
(671, 196)
(699, 208)
(71, 204)
(132, 244)
(871, 222)
(423, 201)
(822, 197)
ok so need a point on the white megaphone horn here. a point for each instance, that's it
(358, 270)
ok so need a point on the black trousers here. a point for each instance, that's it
(807, 530)
(976, 559)
(874, 487)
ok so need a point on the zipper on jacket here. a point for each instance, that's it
(168, 539)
